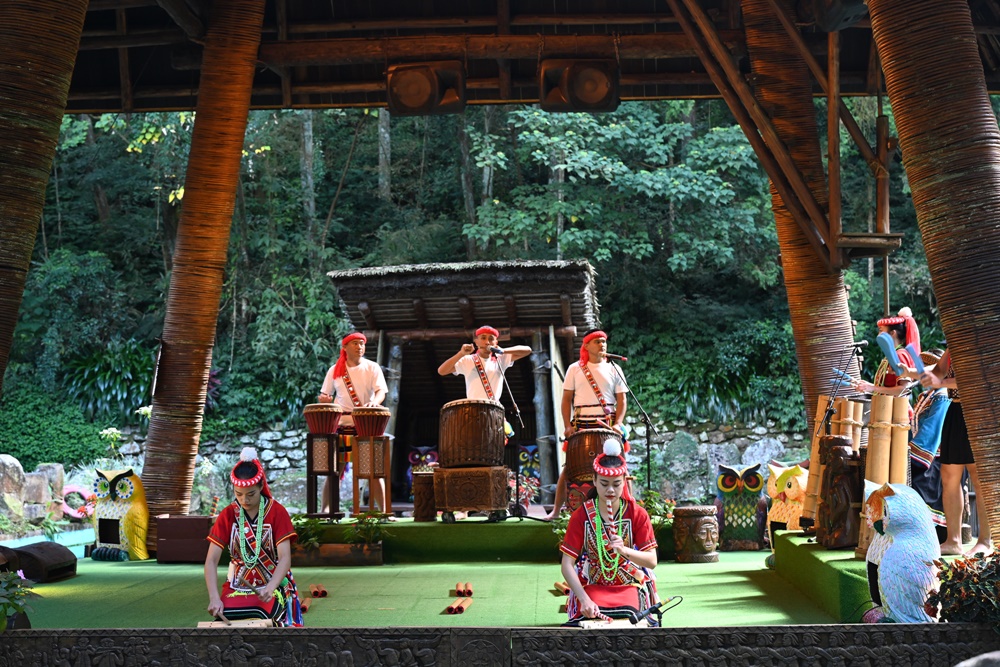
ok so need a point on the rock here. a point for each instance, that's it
(279, 464)
(56, 510)
(297, 454)
(725, 453)
(684, 459)
(130, 448)
(782, 438)
(267, 455)
(11, 505)
(248, 440)
(763, 452)
(11, 475)
(56, 475)
(760, 430)
(35, 513)
(797, 437)
(703, 437)
(715, 437)
(36, 489)
(269, 436)
(289, 443)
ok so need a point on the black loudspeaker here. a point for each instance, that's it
(46, 561)
(834, 15)
(424, 89)
(578, 85)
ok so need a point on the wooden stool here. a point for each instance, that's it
(372, 461)
(321, 461)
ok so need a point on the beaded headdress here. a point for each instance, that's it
(249, 455)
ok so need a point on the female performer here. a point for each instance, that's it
(903, 329)
(258, 533)
(609, 547)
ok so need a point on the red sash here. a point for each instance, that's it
(351, 390)
(597, 390)
(482, 376)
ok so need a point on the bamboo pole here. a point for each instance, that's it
(899, 446)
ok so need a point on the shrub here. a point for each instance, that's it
(36, 428)
(969, 589)
(112, 384)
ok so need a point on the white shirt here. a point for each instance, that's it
(474, 388)
(366, 377)
(609, 380)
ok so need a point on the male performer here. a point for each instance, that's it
(483, 370)
(353, 382)
(593, 397)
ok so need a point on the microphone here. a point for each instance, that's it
(653, 609)
(615, 356)
(496, 350)
(860, 345)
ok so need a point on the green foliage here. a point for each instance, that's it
(968, 590)
(112, 384)
(73, 306)
(559, 525)
(660, 509)
(309, 531)
(367, 528)
(38, 428)
(14, 595)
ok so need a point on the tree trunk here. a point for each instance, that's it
(468, 191)
(817, 300)
(384, 156)
(951, 151)
(100, 196)
(40, 41)
(200, 257)
(306, 165)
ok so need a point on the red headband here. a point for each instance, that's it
(487, 330)
(249, 455)
(584, 355)
(340, 368)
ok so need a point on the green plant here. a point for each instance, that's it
(112, 383)
(969, 590)
(559, 525)
(15, 591)
(51, 527)
(368, 528)
(660, 509)
(309, 530)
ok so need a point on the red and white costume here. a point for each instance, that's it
(367, 379)
(586, 405)
(474, 388)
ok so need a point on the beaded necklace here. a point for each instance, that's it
(257, 535)
(608, 565)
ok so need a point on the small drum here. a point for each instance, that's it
(581, 450)
(471, 434)
(322, 418)
(370, 422)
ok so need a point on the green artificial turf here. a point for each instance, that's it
(736, 591)
(835, 580)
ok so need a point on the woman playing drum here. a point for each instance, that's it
(609, 547)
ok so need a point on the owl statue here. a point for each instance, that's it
(529, 462)
(420, 459)
(905, 573)
(741, 508)
(787, 489)
(121, 516)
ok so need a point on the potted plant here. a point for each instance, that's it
(968, 591)
(661, 515)
(363, 539)
(527, 488)
(14, 593)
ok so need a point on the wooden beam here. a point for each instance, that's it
(153, 37)
(503, 64)
(481, 47)
(124, 76)
(468, 333)
(511, 306)
(181, 14)
(468, 311)
(484, 21)
(366, 312)
(281, 13)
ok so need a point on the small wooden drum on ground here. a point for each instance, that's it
(471, 434)
(581, 450)
(423, 497)
(370, 422)
(322, 418)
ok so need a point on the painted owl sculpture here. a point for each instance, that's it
(786, 487)
(906, 572)
(741, 508)
(422, 459)
(121, 516)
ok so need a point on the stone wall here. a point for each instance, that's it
(30, 496)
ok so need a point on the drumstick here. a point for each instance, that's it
(463, 605)
(222, 617)
(602, 617)
(562, 588)
(460, 589)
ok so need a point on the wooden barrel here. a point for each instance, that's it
(471, 434)
(696, 534)
(423, 497)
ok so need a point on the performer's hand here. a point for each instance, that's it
(863, 387)
(324, 398)
(617, 544)
(265, 593)
(930, 380)
(468, 348)
(589, 608)
(568, 431)
(215, 607)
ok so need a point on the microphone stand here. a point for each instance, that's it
(644, 418)
(517, 458)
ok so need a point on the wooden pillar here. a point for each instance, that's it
(230, 58)
(392, 380)
(39, 43)
(544, 426)
(951, 150)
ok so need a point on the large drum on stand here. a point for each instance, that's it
(471, 434)
(322, 418)
(582, 448)
(370, 422)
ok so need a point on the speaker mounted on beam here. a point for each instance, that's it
(424, 89)
(578, 85)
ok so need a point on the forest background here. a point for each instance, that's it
(666, 199)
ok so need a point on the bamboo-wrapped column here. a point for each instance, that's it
(228, 64)
(40, 41)
(821, 321)
(951, 150)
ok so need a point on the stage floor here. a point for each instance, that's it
(736, 591)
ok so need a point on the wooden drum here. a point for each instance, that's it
(581, 450)
(322, 418)
(471, 434)
(370, 422)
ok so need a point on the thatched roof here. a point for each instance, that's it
(145, 55)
